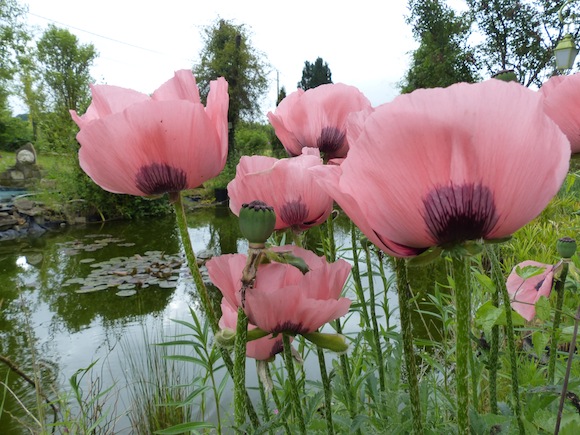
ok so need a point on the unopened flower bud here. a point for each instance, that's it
(257, 222)
(566, 247)
(225, 338)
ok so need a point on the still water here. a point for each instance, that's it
(54, 321)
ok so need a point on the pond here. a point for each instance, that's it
(54, 320)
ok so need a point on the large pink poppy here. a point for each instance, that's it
(525, 293)
(316, 118)
(283, 299)
(286, 185)
(562, 104)
(439, 167)
(262, 349)
(147, 145)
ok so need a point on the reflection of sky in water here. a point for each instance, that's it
(22, 263)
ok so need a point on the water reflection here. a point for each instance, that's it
(42, 319)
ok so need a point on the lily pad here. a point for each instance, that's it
(126, 293)
(87, 260)
(91, 289)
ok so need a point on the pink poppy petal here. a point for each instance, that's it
(181, 86)
(526, 292)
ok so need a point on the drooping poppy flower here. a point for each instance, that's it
(562, 104)
(283, 299)
(316, 118)
(525, 292)
(262, 349)
(439, 167)
(147, 145)
(284, 184)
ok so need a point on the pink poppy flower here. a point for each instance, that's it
(148, 145)
(439, 167)
(283, 299)
(286, 185)
(262, 349)
(526, 292)
(316, 118)
(562, 104)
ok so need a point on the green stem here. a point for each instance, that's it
(571, 353)
(344, 361)
(554, 338)
(509, 328)
(375, 325)
(278, 404)
(264, 402)
(192, 262)
(331, 254)
(294, 391)
(204, 294)
(462, 306)
(356, 276)
(498, 281)
(327, 391)
(404, 293)
(240, 369)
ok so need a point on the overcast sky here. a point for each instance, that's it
(141, 43)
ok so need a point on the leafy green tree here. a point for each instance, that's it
(228, 53)
(64, 68)
(13, 38)
(315, 74)
(520, 35)
(443, 56)
(281, 95)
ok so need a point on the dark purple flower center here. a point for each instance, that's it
(455, 214)
(294, 212)
(277, 348)
(289, 327)
(331, 140)
(538, 286)
(158, 178)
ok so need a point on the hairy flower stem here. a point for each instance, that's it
(376, 334)
(327, 391)
(404, 293)
(498, 281)
(204, 295)
(509, 328)
(294, 391)
(240, 369)
(462, 307)
(559, 289)
(571, 353)
(356, 275)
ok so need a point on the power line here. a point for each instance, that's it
(96, 34)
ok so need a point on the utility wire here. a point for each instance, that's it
(96, 34)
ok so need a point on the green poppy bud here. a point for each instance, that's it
(566, 247)
(257, 222)
(225, 338)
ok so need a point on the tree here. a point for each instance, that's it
(227, 53)
(315, 74)
(443, 56)
(64, 69)
(520, 35)
(13, 38)
(281, 95)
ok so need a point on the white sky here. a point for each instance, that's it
(141, 43)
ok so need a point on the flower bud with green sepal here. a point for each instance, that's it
(257, 222)
(566, 247)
